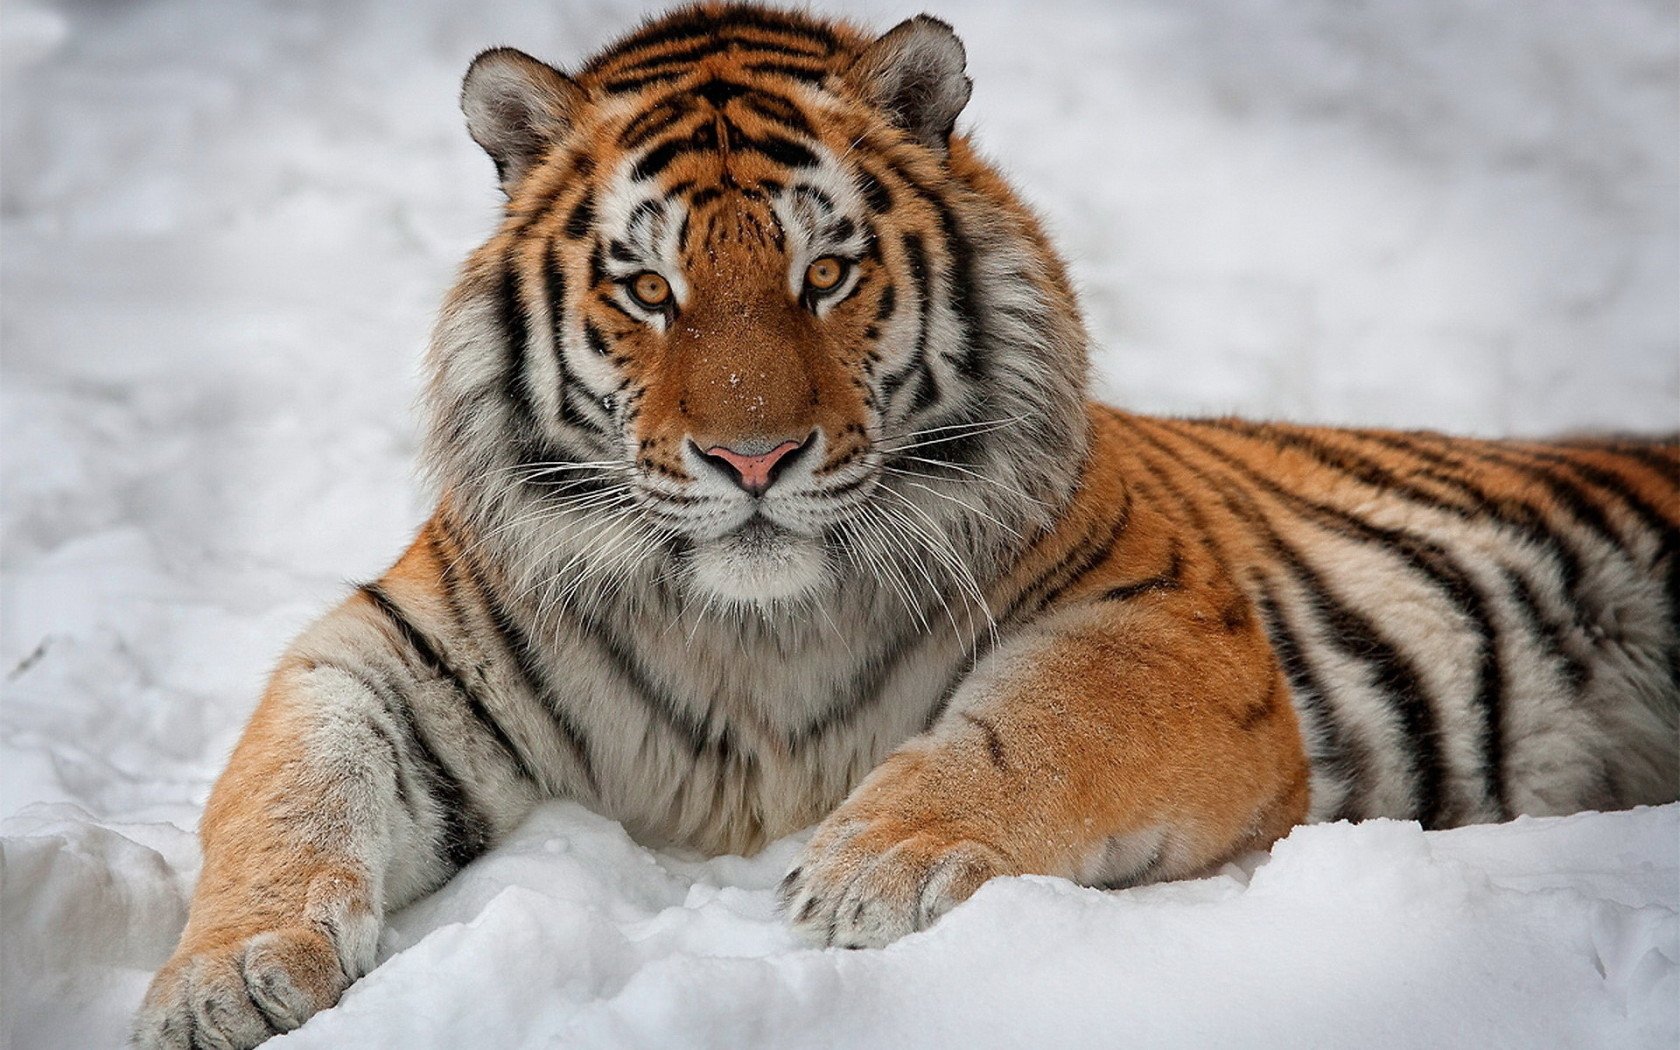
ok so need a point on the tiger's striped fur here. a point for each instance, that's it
(977, 625)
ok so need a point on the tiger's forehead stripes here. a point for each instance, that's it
(767, 40)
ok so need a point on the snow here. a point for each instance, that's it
(1543, 932)
(226, 229)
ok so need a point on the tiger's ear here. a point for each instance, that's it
(915, 73)
(516, 108)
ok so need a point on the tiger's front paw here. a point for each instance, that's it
(237, 994)
(865, 882)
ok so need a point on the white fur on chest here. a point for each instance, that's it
(719, 732)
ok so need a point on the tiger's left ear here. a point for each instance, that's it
(916, 73)
(516, 108)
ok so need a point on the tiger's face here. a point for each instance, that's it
(738, 321)
(748, 300)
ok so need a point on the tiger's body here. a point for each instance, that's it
(771, 495)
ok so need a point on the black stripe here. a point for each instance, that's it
(439, 667)
(1656, 456)
(555, 284)
(1519, 516)
(1170, 578)
(464, 830)
(863, 690)
(1436, 564)
(1513, 513)
(591, 412)
(399, 770)
(641, 214)
(1350, 631)
(1579, 506)
(597, 342)
(961, 278)
(915, 257)
(777, 110)
(702, 139)
(1664, 528)
(655, 121)
(581, 168)
(818, 199)
(516, 337)
(966, 308)
(1548, 634)
(1342, 754)
(717, 91)
(886, 304)
(704, 48)
(612, 304)
(517, 645)
(779, 149)
(753, 27)
(1607, 480)
(1073, 566)
(699, 734)
(629, 84)
(1339, 755)
(875, 193)
(1200, 528)
(582, 217)
(1585, 507)
(927, 394)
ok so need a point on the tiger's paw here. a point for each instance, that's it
(864, 883)
(237, 994)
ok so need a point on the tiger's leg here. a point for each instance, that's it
(347, 795)
(1115, 742)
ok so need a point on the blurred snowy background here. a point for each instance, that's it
(224, 231)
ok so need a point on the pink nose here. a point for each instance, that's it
(754, 473)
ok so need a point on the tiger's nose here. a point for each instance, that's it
(754, 472)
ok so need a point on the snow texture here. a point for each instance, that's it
(227, 227)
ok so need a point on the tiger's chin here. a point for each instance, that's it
(759, 564)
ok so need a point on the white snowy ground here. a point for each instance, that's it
(226, 227)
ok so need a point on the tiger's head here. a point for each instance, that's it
(756, 320)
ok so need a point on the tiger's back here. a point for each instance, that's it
(1470, 629)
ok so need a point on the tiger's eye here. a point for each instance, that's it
(825, 273)
(651, 290)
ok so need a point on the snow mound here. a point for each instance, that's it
(1542, 932)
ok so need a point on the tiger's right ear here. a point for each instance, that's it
(516, 108)
(916, 74)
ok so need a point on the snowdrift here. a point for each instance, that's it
(1559, 932)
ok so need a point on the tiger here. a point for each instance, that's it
(771, 494)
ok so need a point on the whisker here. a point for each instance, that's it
(963, 430)
(974, 476)
(967, 506)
